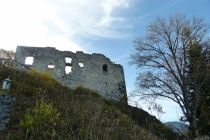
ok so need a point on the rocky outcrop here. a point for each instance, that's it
(6, 103)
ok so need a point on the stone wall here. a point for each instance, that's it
(94, 71)
(6, 103)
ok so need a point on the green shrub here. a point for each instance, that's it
(40, 122)
(30, 83)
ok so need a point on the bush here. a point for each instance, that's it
(40, 122)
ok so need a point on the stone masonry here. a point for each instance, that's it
(6, 103)
(95, 72)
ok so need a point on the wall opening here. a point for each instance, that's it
(105, 68)
(68, 60)
(121, 87)
(81, 65)
(51, 66)
(68, 69)
(29, 60)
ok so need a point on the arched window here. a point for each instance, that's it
(105, 68)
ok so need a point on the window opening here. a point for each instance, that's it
(105, 68)
(50, 66)
(29, 60)
(68, 69)
(68, 59)
(81, 65)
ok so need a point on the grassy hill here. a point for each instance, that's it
(44, 109)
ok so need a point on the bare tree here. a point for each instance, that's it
(158, 109)
(162, 58)
(6, 57)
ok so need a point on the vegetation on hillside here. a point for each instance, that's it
(46, 110)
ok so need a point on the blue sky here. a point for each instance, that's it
(94, 26)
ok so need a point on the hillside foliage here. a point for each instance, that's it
(46, 110)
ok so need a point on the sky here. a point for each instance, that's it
(108, 27)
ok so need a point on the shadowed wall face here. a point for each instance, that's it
(95, 71)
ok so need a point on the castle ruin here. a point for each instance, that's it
(95, 72)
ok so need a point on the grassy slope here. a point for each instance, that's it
(81, 116)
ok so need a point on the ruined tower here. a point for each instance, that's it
(95, 72)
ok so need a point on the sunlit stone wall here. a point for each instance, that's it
(95, 71)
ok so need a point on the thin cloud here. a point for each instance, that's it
(59, 23)
(108, 7)
(122, 59)
(93, 17)
(22, 24)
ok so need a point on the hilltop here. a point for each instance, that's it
(44, 109)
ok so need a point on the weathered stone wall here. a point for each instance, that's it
(6, 103)
(97, 73)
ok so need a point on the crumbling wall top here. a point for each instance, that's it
(94, 71)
